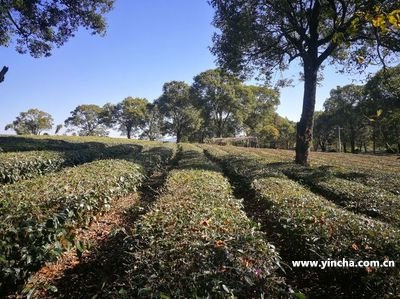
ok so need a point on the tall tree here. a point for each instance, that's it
(343, 107)
(271, 34)
(88, 119)
(262, 110)
(324, 130)
(382, 107)
(31, 122)
(153, 123)
(131, 115)
(181, 117)
(222, 98)
(37, 26)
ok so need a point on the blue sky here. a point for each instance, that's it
(148, 43)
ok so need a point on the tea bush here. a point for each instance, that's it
(353, 196)
(16, 166)
(196, 241)
(37, 216)
(316, 229)
(313, 228)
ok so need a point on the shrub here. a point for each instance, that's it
(197, 242)
(24, 165)
(309, 227)
(315, 229)
(37, 216)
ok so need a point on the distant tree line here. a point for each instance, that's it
(215, 105)
(219, 105)
(365, 116)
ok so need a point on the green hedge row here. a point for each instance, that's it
(197, 242)
(37, 216)
(373, 178)
(155, 156)
(354, 196)
(313, 228)
(16, 166)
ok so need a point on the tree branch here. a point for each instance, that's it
(3, 73)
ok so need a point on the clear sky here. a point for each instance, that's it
(148, 43)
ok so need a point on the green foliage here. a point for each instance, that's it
(197, 242)
(18, 166)
(269, 35)
(24, 165)
(354, 196)
(153, 123)
(88, 118)
(131, 115)
(37, 26)
(221, 97)
(181, 117)
(37, 216)
(315, 229)
(382, 107)
(311, 227)
(31, 122)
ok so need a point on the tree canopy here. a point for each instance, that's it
(270, 34)
(131, 114)
(222, 98)
(88, 119)
(175, 104)
(31, 122)
(37, 26)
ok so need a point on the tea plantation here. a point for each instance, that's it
(202, 221)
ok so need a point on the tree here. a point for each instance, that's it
(381, 107)
(324, 130)
(153, 123)
(271, 34)
(343, 107)
(181, 117)
(88, 118)
(37, 26)
(262, 111)
(222, 98)
(31, 122)
(58, 128)
(131, 115)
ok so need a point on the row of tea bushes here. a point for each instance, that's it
(373, 178)
(38, 216)
(16, 166)
(360, 198)
(346, 166)
(196, 241)
(155, 155)
(313, 228)
(316, 229)
(353, 196)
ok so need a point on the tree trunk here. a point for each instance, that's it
(128, 132)
(353, 146)
(305, 125)
(178, 136)
(3, 72)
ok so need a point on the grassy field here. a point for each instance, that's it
(116, 218)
